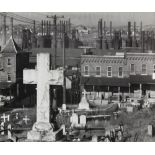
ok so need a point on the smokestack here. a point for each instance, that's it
(42, 25)
(134, 30)
(34, 27)
(141, 34)
(110, 29)
(129, 35)
(47, 27)
(104, 28)
(143, 40)
(11, 26)
(4, 30)
(69, 26)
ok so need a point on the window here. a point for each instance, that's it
(132, 69)
(153, 68)
(143, 68)
(98, 71)
(109, 71)
(9, 77)
(86, 70)
(120, 72)
(9, 61)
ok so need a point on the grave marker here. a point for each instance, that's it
(150, 130)
(26, 119)
(84, 103)
(74, 120)
(2, 128)
(9, 131)
(83, 120)
(43, 77)
(4, 117)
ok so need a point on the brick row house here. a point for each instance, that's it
(128, 73)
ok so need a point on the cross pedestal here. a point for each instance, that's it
(84, 103)
(43, 77)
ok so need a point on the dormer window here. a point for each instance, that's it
(9, 62)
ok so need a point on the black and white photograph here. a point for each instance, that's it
(77, 76)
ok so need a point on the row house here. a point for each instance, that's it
(126, 73)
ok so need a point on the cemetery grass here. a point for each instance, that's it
(136, 124)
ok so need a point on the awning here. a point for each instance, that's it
(105, 81)
(141, 79)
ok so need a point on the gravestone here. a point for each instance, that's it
(94, 138)
(17, 116)
(84, 105)
(150, 130)
(9, 131)
(74, 120)
(2, 128)
(83, 121)
(43, 77)
(26, 119)
(5, 117)
(64, 107)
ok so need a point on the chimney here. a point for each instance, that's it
(11, 26)
(4, 30)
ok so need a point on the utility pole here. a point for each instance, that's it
(64, 71)
(55, 18)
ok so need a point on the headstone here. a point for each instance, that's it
(119, 134)
(129, 109)
(82, 120)
(2, 128)
(94, 138)
(74, 120)
(26, 119)
(64, 107)
(17, 116)
(150, 130)
(63, 129)
(4, 117)
(84, 105)
(43, 77)
(9, 131)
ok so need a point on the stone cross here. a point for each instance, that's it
(26, 119)
(4, 117)
(43, 77)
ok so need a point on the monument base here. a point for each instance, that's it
(42, 131)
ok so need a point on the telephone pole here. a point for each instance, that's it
(55, 18)
(64, 71)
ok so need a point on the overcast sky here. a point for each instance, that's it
(90, 19)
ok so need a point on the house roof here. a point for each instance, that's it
(11, 47)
